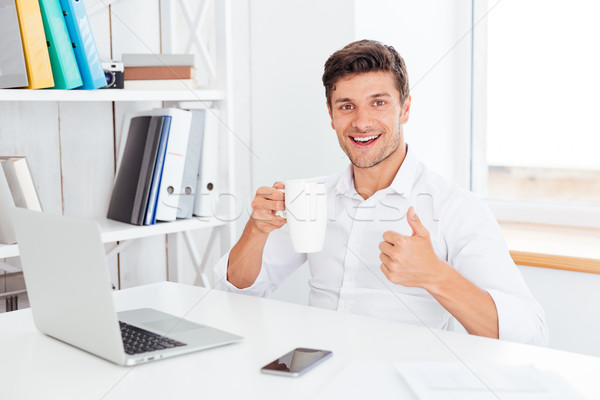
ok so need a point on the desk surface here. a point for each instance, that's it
(35, 366)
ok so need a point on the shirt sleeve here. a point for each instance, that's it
(478, 250)
(279, 261)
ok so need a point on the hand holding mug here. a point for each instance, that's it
(265, 205)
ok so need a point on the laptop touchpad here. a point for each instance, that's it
(172, 325)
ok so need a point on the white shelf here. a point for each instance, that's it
(113, 231)
(110, 95)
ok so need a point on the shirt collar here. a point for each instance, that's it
(402, 183)
(405, 177)
(345, 184)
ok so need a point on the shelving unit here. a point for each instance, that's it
(217, 94)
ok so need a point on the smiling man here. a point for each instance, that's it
(401, 242)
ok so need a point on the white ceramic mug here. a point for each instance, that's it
(306, 213)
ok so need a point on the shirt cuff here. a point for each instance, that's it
(220, 271)
(519, 320)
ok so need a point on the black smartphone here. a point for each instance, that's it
(296, 362)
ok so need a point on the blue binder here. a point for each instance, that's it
(150, 217)
(62, 59)
(84, 46)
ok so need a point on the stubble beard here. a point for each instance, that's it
(387, 150)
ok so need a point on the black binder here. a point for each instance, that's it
(134, 178)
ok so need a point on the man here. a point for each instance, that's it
(445, 267)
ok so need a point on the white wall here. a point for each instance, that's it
(571, 301)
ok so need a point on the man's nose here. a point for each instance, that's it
(363, 120)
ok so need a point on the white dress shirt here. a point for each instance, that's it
(346, 274)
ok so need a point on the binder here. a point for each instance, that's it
(132, 185)
(62, 58)
(20, 182)
(185, 207)
(84, 46)
(171, 186)
(7, 233)
(13, 72)
(207, 191)
(37, 60)
(157, 175)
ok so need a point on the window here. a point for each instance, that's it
(536, 101)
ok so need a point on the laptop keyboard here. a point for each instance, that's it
(137, 340)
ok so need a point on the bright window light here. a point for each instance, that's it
(542, 101)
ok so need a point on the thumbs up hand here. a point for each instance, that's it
(411, 260)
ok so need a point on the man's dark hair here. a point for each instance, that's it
(365, 56)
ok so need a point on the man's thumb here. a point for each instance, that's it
(415, 223)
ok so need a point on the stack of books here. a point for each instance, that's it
(159, 71)
(167, 162)
(48, 44)
(17, 189)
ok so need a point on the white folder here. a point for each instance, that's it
(207, 191)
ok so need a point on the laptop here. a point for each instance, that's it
(70, 294)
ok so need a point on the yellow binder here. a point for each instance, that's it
(35, 47)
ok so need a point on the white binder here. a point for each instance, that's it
(207, 191)
(192, 164)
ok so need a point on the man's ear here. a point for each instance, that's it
(330, 115)
(405, 110)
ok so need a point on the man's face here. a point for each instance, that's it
(367, 115)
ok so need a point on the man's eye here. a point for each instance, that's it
(379, 103)
(347, 107)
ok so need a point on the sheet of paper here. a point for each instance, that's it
(445, 381)
(450, 381)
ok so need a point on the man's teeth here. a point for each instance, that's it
(364, 139)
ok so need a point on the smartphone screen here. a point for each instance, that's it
(296, 362)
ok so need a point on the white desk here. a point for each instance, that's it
(33, 366)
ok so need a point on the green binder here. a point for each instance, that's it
(62, 58)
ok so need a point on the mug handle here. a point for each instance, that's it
(313, 202)
(280, 213)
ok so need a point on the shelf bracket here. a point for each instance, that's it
(200, 263)
(122, 245)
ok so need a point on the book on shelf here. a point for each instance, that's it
(37, 60)
(157, 60)
(207, 191)
(162, 84)
(20, 182)
(132, 186)
(13, 72)
(62, 58)
(158, 73)
(84, 45)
